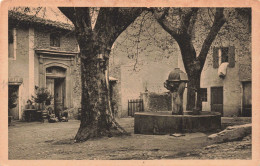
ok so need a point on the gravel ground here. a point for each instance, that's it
(228, 150)
(54, 141)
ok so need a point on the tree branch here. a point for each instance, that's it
(115, 20)
(83, 19)
(79, 16)
(187, 17)
(187, 20)
(138, 41)
(166, 25)
(193, 21)
(219, 21)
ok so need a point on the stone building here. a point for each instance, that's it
(42, 53)
(226, 76)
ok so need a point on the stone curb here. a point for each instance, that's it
(232, 133)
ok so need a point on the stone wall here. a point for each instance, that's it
(156, 101)
(68, 41)
(236, 32)
(19, 67)
(151, 78)
(142, 61)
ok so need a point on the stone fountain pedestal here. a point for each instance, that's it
(176, 121)
(164, 122)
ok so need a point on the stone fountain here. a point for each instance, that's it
(175, 121)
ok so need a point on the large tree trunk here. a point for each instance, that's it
(96, 119)
(193, 69)
(193, 87)
(95, 45)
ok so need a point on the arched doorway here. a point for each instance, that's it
(56, 84)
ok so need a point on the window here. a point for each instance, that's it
(54, 40)
(203, 92)
(223, 54)
(12, 44)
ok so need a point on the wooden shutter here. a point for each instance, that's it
(231, 56)
(215, 57)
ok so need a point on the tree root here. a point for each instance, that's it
(92, 131)
(120, 128)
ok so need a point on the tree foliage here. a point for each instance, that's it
(180, 24)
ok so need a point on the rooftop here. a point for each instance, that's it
(33, 19)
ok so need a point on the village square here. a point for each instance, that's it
(129, 83)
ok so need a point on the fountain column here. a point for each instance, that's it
(176, 85)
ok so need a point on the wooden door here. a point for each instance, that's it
(217, 99)
(247, 99)
(50, 88)
(13, 94)
(59, 88)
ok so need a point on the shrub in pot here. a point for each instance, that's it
(42, 97)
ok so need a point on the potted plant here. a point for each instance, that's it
(29, 104)
(42, 97)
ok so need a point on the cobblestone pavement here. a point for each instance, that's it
(36, 140)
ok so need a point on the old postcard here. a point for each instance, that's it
(140, 82)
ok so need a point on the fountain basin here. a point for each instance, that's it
(164, 122)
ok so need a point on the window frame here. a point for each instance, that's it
(223, 57)
(218, 59)
(55, 37)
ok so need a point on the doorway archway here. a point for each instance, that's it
(56, 78)
(56, 85)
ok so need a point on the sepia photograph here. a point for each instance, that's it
(129, 83)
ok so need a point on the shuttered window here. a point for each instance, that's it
(231, 56)
(223, 54)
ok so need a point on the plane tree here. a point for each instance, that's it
(180, 24)
(95, 40)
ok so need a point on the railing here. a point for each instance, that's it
(135, 105)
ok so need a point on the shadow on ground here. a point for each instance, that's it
(35, 141)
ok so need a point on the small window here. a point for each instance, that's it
(54, 40)
(223, 54)
(203, 92)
